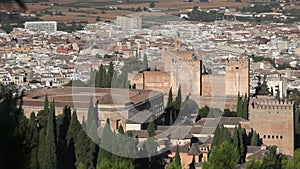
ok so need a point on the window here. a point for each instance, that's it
(236, 67)
(281, 137)
(118, 123)
(269, 136)
(272, 136)
(276, 136)
(264, 136)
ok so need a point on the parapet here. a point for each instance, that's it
(235, 61)
(269, 102)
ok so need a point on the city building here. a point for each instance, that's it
(129, 22)
(48, 26)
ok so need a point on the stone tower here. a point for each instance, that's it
(185, 71)
(274, 122)
(237, 77)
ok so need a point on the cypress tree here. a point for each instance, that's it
(217, 138)
(245, 107)
(121, 129)
(177, 104)
(102, 76)
(50, 140)
(151, 129)
(177, 157)
(97, 79)
(74, 128)
(70, 159)
(145, 62)
(225, 135)
(239, 106)
(151, 148)
(254, 139)
(42, 162)
(43, 114)
(92, 133)
(272, 91)
(171, 118)
(91, 114)
(32, 142)
(235, 138)
(72, 136)
(242, 145)
(46, 105)
(110, 74)
(106, 138)
(93, 78)
(63, 122)
(84, 150)
(170, 99)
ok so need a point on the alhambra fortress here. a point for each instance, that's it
(273, 120)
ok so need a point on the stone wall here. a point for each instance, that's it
(213, 85)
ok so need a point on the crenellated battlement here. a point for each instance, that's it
(268, 103)
(237, 61)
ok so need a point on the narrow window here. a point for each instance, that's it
(118, 123)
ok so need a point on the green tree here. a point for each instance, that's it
(85, 151)
(173, 165)
(145, 62)
(272, 91)
(217, 137)
(294, 163)
(152, 5)
(72, 137)
(170, 99)
(271, 159)
(177, 157)
(245, 107)
(242, 144)
(91, 115)
(110, 74)
(264, 89)
(105, 144)
(224, 157)
(239, 106)
(98, 18)
(41, 150)
(254, 164)
(50, 140)
(254, 139)
(63, 122)
(32, 140)
(177, 103)
(46, 105)
(151, 129)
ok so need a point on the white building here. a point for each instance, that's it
(48, 26)
(277, 83)
(129, 22)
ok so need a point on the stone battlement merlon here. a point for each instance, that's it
(274, 107)
(237, 61)
(268, 102)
